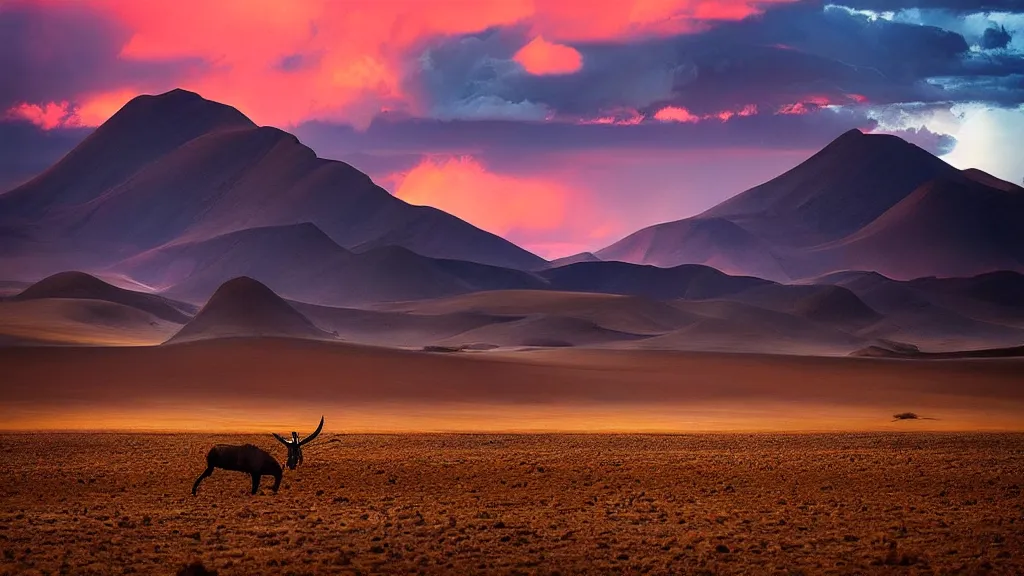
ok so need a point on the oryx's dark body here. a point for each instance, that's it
(245, 458)
(295, 445)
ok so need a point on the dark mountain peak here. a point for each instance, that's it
(850, 135)
(245, 307)
(179, 114)
(243, 290)
(835, 192)
(179, 94)
(71, 284)
(853, 142)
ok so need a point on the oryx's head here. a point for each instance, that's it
(294, 445)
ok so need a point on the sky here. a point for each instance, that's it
(562, 125)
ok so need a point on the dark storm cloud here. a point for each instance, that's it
(415, 136)
(63, 50)
(27, 150)
(953, 5)
(995, 38)
(788, 54)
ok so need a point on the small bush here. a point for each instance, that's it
(905, 416)
(441, 349)
(196, 569)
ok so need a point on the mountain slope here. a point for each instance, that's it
(946, 227)
(216, 173)
(714, 242)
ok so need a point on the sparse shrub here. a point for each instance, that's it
(196, 569)
(547, 343)
(906, 416)
(441, 349)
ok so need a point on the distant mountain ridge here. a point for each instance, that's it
(865, 202)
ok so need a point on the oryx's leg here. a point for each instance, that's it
(255, 483)
(277, 482)
(206, 473)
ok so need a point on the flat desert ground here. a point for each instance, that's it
(749, 464)
(839, 503)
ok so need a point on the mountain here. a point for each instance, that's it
(868, 202)
(82, 286)
(300, 262)
(178, 168)
(144, 130)
(835, 192)
(687, 281)
(244, 307)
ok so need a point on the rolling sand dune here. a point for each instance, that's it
(628, 314)
(977, 312)
(219, 382)
(736, 326)
(889, 352)
(399, 329)
(78, 285)
(243, 307)
(80, 322)
(993, 297)
(833, 305)
(541, 330)
(940, 329)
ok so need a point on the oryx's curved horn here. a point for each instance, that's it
(314, 434)
(280, 439)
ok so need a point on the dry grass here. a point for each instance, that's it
(464, 504)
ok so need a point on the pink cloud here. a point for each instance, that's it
(541, 57)
(47, 116)
(675, 114)
(355, 53)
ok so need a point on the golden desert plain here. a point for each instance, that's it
(545, 461)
